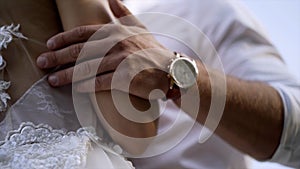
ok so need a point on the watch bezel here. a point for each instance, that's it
(172, 73)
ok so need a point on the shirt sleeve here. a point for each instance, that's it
(246, 53)
(288, 152)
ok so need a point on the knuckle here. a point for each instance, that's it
(75, 50)
(85, 69)
(67, 76)
(62, 38)
(124, 55)
(105, 29)
(115, 41)
(122, 45)
(53, 58)
(98, 82)
(80, 31)
(117, 28)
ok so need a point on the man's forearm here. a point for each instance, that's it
(253, 117)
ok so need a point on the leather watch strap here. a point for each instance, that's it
(174, 93)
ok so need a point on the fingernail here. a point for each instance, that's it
(41, 62)
(53, 80)
(50, 44)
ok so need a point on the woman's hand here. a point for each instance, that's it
(121, 56)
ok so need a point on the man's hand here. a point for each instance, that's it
(125, 52)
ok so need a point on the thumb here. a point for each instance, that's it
(125, 16)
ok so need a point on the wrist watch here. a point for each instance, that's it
(183, 74)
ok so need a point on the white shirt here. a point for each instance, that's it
(245, 53)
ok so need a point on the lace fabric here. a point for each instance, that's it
(6, 36)
(42, 104)
(40, 146)
(25, 145)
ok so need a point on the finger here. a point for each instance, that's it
(125, 16)
(81, 71)
(79, 34)
(97, 84)
(61, 78)
(109, 63)
(73, 53)
(97, 66)
(60, 57)
(84, 70)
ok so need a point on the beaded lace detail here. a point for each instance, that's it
(3, 95)
(42, 147)
(41, 104)
(7, 33)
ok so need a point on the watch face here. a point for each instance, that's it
(184, 72)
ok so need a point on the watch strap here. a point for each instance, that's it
(173, 93)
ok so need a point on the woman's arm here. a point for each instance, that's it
(87, 12)
(82, 12)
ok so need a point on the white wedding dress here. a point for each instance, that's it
(41, 130)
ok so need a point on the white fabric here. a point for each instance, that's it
(46, 106)
(42, 104)
(4, 96)
(42, 147)
(246, 53)
(7, 33)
